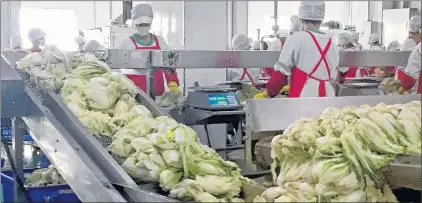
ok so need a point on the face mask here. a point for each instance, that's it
(143, 31)
(40, 42)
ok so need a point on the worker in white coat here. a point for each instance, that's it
(243, 42)
(92, 46)
(345, 42)
(414, 38)
(37, 38)
(310, 57)
(278, 44)
(374, 42)
(16, 44)
(412, 71)
(80, 42)
(355, 38)
(142, 16)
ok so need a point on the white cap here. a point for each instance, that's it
(373, 38)
(414, 24)
(15, 41)
(294, 24)
(241, 42)
(344, 38)
(312, 10)
(393, 46)
(93, 45)
(354, 35)
(35, 33)
(79, 40)
(142, 13)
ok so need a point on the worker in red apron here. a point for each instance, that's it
(412, 73)
(345, 43)
(410, 43)
(142, 16)
(355, 38)
(16, 44)
(37, 38)
(309, 57)
(243, 42)
(278, 44)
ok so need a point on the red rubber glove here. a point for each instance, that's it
(171, 77)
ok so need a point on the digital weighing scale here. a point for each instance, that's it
(214, 98)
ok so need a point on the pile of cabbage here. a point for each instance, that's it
(339, 156)
(44, 177)
(149, 149)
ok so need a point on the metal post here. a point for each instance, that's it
(18, 130)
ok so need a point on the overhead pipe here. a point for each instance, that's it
(275, 27)
(230, 22)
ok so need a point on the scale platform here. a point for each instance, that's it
(214, 98)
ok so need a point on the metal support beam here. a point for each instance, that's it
(18, 130)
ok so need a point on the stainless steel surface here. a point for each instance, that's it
(128, 59)
(220, 88)
(82, 161)
(276, 114)
(136, 59)
(18, 130)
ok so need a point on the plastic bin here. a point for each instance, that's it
(57, 193)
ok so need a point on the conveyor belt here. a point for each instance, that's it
(82, 161)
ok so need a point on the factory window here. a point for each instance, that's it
(59, 24)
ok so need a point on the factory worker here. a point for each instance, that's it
(243, 42)
(414, 34)
(355, 38)
(374, 41)
(142, 16)
(37, 38)
(80, 41)
(309, 57)
(413, 39)
(345, 42)
(412, 72)
(92, 46)
(16, 44)
(278, 44)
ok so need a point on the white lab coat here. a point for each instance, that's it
(377, 48)
(407, 45)
(275, 46)
(300, 50)
(413, 68)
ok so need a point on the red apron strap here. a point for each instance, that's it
(156, 47)
(246, 73)
(321, 89)
(282, 42)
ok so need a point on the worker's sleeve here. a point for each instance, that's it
(283, 67)
(413, 67)
(412, 71)
(171, 76)
(275, 46)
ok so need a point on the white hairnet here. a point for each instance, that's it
(93, 45)
(393, 46)
(415, 24)
(142, 13)
(344, 38)
(35, 33)
(373, 38)
(354, 35)
(241, 42)
(294, 24)
(312, 10)
(79, 40)
(15, 41)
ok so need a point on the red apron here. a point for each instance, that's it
(300, 77)
(352, 72)
(246, 74)
(140, 80)
(35, 50)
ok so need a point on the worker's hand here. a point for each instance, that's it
(174, 88)
(261, 95)
(285, 89)
(402, 90)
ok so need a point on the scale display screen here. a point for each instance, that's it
(222, 99)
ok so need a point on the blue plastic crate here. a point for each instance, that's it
(57, 193)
